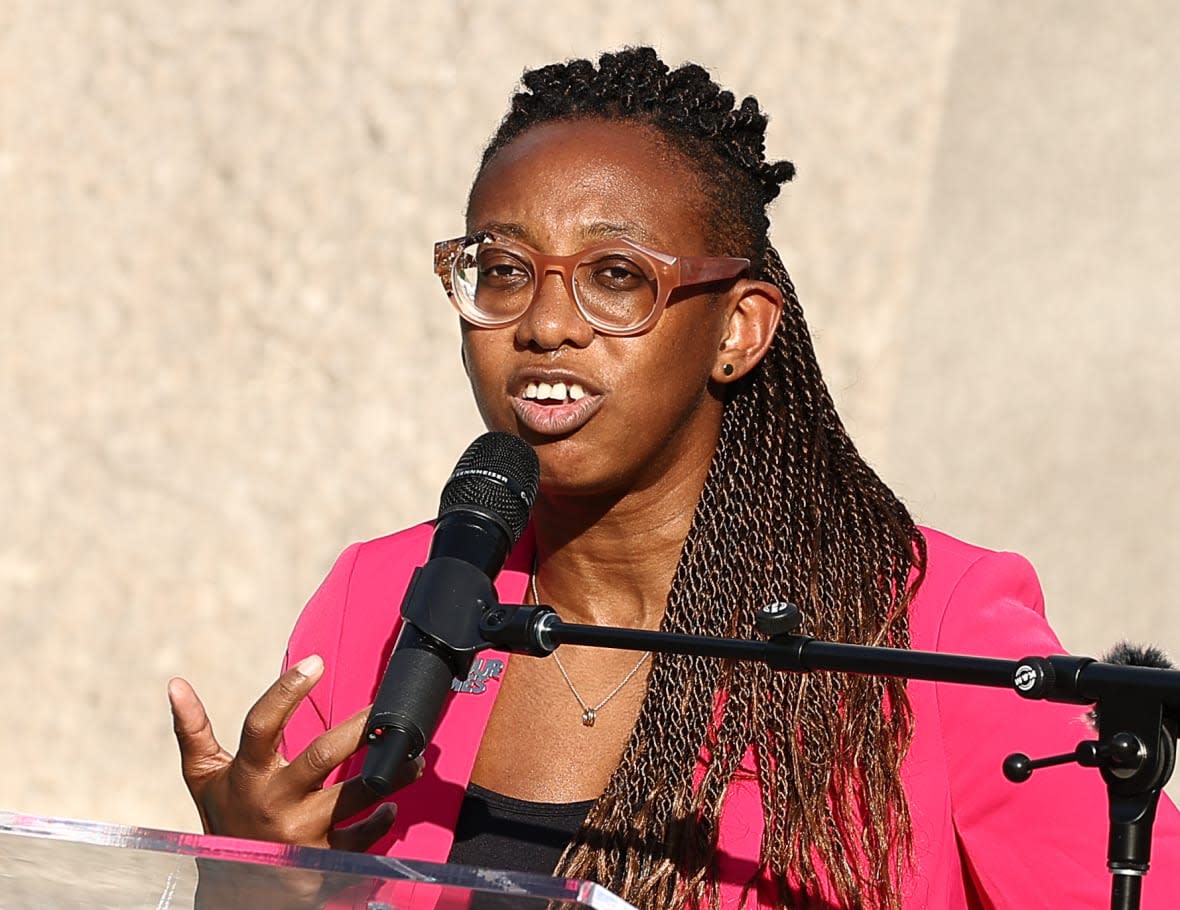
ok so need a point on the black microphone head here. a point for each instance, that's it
(498, 475)
(1130, 654)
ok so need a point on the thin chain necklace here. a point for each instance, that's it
(589, 714)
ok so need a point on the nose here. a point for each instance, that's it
(552, 319)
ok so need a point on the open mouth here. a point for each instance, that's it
(554, 408)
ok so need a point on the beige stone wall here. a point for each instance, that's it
(1036, 405)
(223, 355)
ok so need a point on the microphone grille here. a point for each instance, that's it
(498, 475)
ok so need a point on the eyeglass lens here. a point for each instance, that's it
(617, 287)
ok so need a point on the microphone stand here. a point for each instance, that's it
(1138, 708)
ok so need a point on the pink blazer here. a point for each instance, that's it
(980, 841)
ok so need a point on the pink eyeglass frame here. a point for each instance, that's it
(671, 272)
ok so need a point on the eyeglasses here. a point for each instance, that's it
(619, 287)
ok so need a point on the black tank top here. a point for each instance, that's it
(499, 832)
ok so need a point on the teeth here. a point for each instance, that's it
(558, 391)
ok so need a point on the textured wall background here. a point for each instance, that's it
(224, 355)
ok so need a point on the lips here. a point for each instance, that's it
(554, 414)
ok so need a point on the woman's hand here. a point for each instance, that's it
(256, 793)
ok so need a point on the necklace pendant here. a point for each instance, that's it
(588, 717)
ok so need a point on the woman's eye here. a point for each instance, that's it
(502, 272)
(619, 274)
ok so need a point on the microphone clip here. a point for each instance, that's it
(445, 601)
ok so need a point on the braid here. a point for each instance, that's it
(789, 512)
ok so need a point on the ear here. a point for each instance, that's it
(754, 308)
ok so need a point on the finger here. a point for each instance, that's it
(351, 797)
(362, 835)
(265, 721)
(200, 753)
(311, 767)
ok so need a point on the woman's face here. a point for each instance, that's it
(636, 410)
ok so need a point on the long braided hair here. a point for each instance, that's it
(789, 512)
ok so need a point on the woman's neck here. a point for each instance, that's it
(611, 561)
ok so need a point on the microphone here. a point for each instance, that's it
(1140, 754)
(483, 511)
(1129, 654)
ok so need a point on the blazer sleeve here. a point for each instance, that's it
(1041, 843)
(318, 631)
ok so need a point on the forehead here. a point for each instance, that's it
(561, 185)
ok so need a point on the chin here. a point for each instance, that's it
(566, 474)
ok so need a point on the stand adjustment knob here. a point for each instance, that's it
(778, 619)
(1124, 755)
(1018, 767)
(1127, 755)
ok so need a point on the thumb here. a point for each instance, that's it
(200, 753)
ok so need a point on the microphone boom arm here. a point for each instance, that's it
(1138, 707)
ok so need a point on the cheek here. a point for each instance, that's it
(465, 349)
(485, 354)
(474, 351)
(688, 349)
(668, 381)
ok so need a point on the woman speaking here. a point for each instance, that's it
(623, 311)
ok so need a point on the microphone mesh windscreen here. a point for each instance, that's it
(1132, 655)
(1129, 654)
(498, 474)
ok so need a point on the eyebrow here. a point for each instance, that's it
(598, 230)
(609, 230)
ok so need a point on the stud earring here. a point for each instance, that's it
(727, 369)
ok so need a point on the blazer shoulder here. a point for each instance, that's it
(964, 578)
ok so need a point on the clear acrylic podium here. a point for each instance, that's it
(60, 864)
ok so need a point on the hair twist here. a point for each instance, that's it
(789, 511)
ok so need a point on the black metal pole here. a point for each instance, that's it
(801, 654)
(1125, 891)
